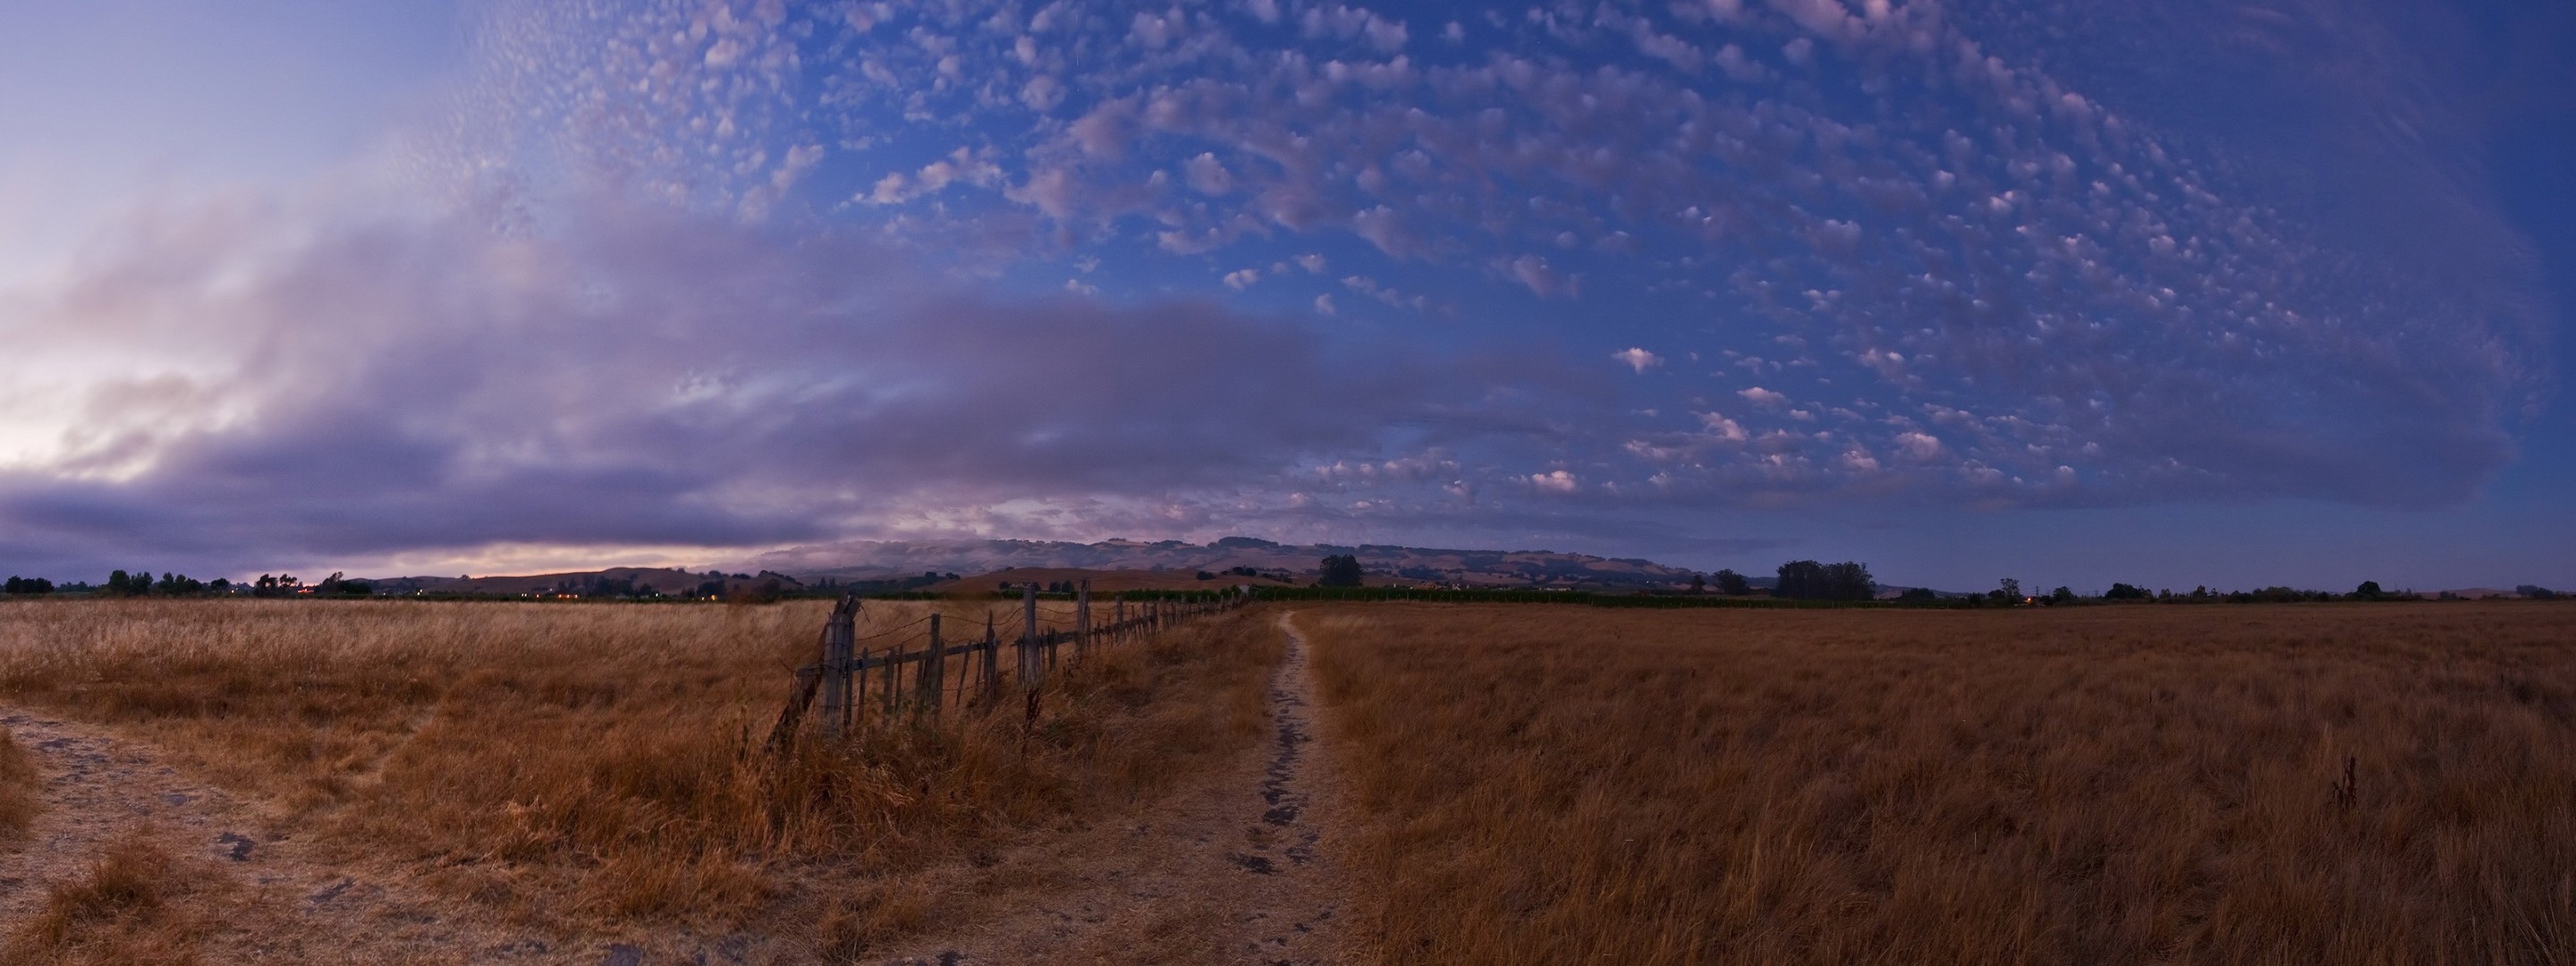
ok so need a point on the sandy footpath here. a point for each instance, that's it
(1240, 869)
(260, 893)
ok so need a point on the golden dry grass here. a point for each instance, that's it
(576, 767)
(19, 799)
(129, 908)
(2114, 784)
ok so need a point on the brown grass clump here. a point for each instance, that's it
(580, 766)
(2329, 783)
(19, 800)
(120, 912)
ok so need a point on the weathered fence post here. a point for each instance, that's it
(1082, 619)
(1029, 669)
(838, 635)
(783, 735)
(992, 657)
(935, 669)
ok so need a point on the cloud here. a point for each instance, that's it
(1533, 271)
(1556, 482)
(630, 377)
(1923, 195)
(1968, 262)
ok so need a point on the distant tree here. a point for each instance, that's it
(2533, 591)
(1733, 584)
(1849, 580)
(1699, 584)
(2124, 592)
(1809, 580)
(2369, 590)
(2007, 591)
(220, 585)
(31, 586)
(2061, 595)
(1800, 580)
(1340, 570)
(1205, 575)
(1918, 594)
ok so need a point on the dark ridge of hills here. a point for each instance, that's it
(614, 581)
(1478, 568)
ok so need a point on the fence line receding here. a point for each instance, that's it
(925, 667)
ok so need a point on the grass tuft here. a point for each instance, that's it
(19, 792)
(116, 913)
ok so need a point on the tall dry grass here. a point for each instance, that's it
(2141, 784)
(20, 797)
(579, 766)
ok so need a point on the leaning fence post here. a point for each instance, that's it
(783, 735)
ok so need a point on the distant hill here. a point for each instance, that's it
(1482, 568)
(614, 581)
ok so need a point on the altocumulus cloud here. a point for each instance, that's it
(1914, 216)
(747, 273)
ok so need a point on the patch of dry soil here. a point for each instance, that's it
(276, 898)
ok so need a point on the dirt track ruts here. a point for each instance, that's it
(264, 892)
(1236, 869)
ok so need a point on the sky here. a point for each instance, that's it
(2184, 293)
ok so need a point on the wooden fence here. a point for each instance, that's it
(925, 667)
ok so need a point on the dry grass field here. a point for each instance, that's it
(582, 769)
(2097, 785)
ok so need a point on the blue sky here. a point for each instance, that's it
(2177, 294)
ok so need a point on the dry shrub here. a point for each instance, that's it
(575, 765)
(2109, 784)
(19, 791)
(120, 912)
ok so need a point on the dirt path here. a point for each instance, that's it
(1237, 870)
(256, 892)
